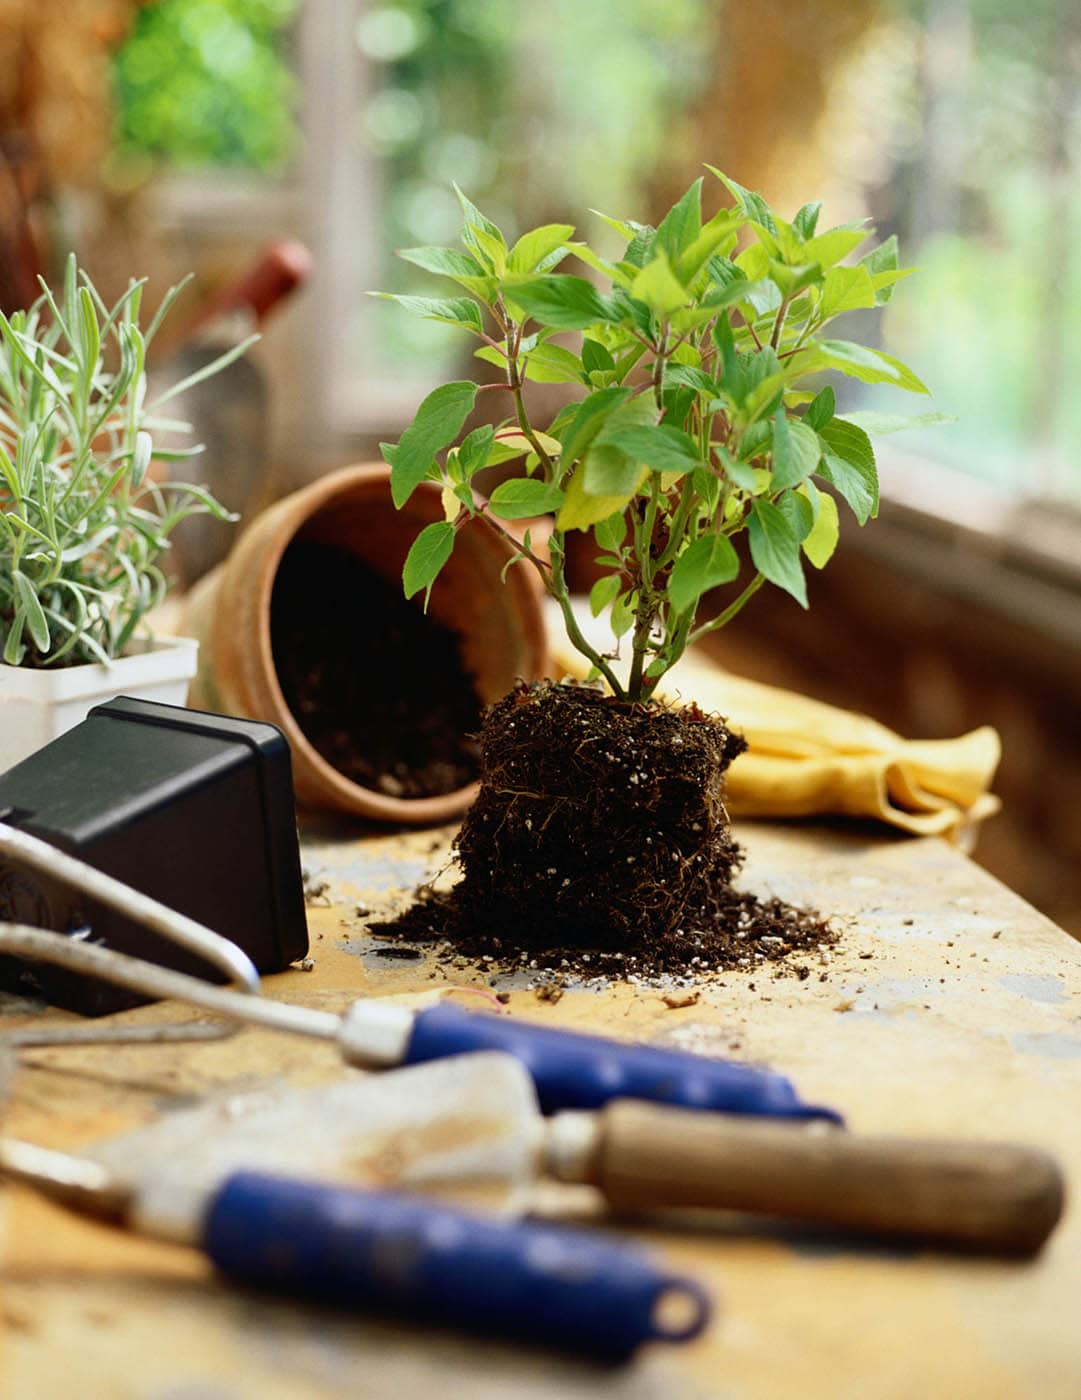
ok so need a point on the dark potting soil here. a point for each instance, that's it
(378, 687)
(600, 844)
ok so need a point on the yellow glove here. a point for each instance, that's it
(807, 758)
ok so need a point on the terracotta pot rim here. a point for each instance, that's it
(296, 510)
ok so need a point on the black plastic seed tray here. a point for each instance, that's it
(194, 809)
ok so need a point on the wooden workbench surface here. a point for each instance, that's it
(950, 1007)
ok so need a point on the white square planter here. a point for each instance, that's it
(37, 706)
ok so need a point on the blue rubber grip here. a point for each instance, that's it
(585, 1071)
(533, 1283)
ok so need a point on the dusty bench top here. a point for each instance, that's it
(949, 1007)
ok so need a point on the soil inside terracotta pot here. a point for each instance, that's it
(377, 686)
(600, 843)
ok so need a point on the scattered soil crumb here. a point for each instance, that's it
(361, 911)
(549, 991)
(303, 965)
(502, 997)
(847, 1005)
(675, 1001)
(316, 889)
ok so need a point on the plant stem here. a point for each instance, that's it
(644, 617)
(722, 619)
(514, 384)
(557, 588)
(778, 325)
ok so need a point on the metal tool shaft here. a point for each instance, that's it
(42, 945)
(151, 913)
(74, 1181)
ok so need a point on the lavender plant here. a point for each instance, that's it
(82, 520)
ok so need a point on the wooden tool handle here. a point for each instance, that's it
(987, 1196)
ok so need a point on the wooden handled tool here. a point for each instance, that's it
(468, 1126)
(985, 1196)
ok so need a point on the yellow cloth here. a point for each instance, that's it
(806, 758)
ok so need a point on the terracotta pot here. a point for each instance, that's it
(500, 624)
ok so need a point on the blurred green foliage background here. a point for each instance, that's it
(969, 149)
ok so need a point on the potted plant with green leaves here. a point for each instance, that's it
(83, 518)
(601, 817)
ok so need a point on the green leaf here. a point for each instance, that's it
(641, 247)
(14, 651)
(795, 278)
(140, 458)
(846, 289)
(429, 552)
(451, 262)
(754, 380)
(611, 532)
(552, 364)
(437, 423)
(848, 463)
(707, 486)
(623, 614)
(753, 262)
(658, 288)
(829, 248)
(857, 361)
(589, 419)
(885, 281)
(559, 300)
(595, 357)
(882, 424)
(90, 340)
(482, 237)
(741, 474)
(603, 593)
(520, 499)
(581, 509)
(806, 221)
(707, 563)
(30, 605)
(822, 541)
(633, 315)
(475, 448)
(798, 511)
(452, 311)
(692, 378)
(715, 232)
(821, 409)
(883, 259)
(763, 295)
(906, 378)
(752, 204)
(611, 270)
(607, 471)
(682, 224)
(796, 451)
(775, 549)
(537, 246)
(660, 447)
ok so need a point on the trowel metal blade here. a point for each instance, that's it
(466, 1128)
